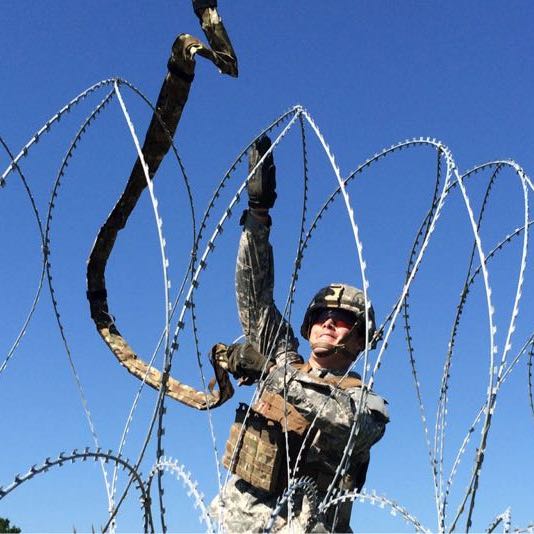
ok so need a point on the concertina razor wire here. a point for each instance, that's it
(448, 179)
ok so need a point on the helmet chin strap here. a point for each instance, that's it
(329, 349)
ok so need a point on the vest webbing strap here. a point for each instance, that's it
(273, 407)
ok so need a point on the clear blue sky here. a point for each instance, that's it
(371, 74)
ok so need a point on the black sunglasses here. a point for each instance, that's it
(336, 314)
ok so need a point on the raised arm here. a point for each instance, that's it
(262, 323)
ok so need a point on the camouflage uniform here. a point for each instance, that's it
(248, 508)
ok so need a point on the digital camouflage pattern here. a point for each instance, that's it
(313, 392)
(261, 321)
(248, 509)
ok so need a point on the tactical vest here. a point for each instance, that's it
(256, 448)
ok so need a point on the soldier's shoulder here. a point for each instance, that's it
(374, 402)
(379, 405)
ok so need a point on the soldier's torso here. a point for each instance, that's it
(317, 409)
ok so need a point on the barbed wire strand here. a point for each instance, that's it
(37, 295)
(286, 316)
(166, 280)
(58, 183)
(492, 389)
(305, 486)
(469, 283)
(367, 303)
(383, 501)
(478, 169)
(452, 185)
(505, 518)
(492, 396)
(188, 300)
(48, 269)
(49, 123)
(421, 234)
(270, 347)
(471, 430)
(277, 122)
(84, 455)
(161, 339)
(288, 308)
(179, 470)
(439, 431)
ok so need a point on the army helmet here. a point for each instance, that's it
(341, 296)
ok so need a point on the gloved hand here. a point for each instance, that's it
(200, 5)
(262, 185)
(244, 362)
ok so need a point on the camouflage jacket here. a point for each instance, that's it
(332, 410)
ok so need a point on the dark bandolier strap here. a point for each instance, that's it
(171, 101)
(174, 69)
(199, 5)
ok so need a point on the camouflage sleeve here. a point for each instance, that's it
(335, 410)
(261, 320)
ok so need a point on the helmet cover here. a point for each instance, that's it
(340, 296)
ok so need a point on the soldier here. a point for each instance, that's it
(304, 412)
(293, 395)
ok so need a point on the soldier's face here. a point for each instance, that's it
(329, 329)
